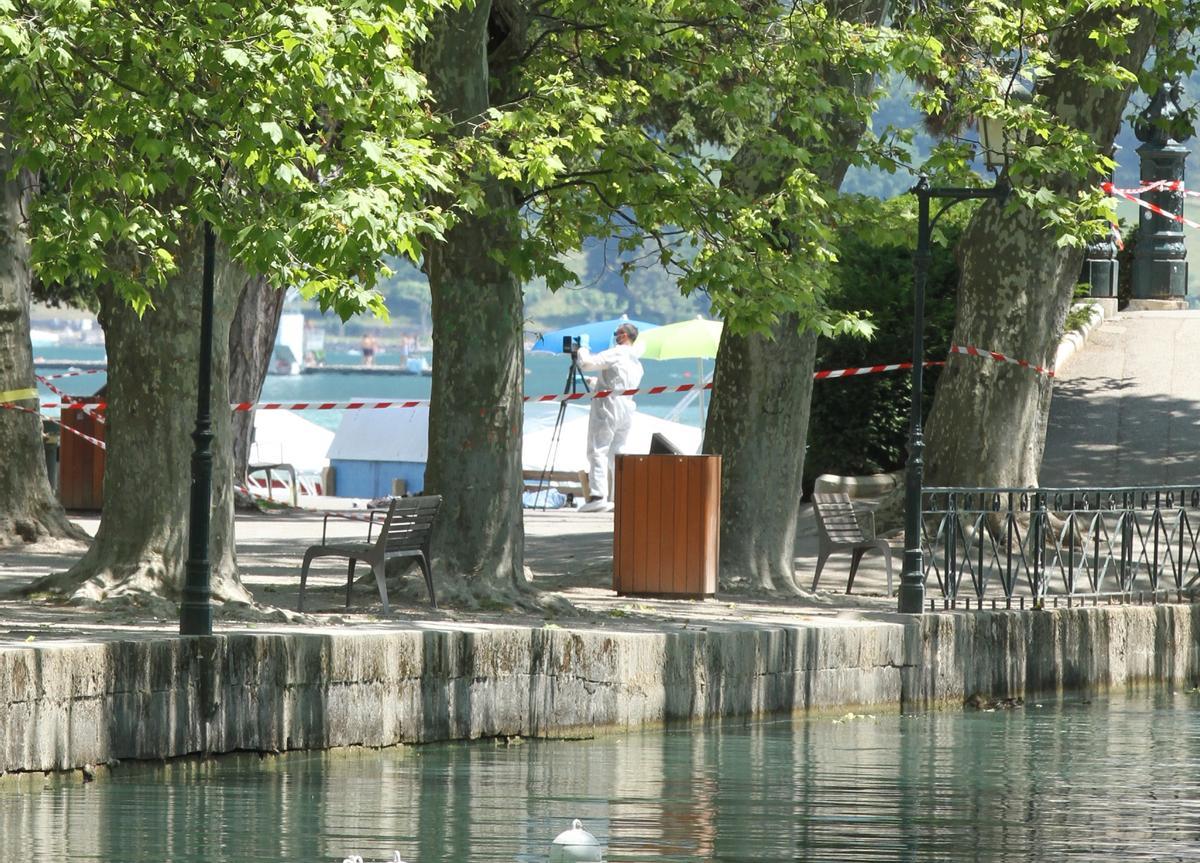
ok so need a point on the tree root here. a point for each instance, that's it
(779, 587)
(40, 527)
(464, 593)
(144, 586)
(140, 596)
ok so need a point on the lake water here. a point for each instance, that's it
(546, 373)
(1113, 780)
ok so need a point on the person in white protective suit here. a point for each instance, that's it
(611, 418)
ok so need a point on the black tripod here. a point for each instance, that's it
(575, 379)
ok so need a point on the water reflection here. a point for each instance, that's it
(1113, 780)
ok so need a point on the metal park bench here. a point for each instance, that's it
(405, 532)
(840, 528)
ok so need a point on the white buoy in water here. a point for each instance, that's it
(575, 846)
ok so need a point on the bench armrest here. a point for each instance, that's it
(866, 520)
(371, 523)
(324, 526)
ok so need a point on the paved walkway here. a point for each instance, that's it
(568, 553)
(1126, 409)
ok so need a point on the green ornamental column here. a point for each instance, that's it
(1160, 270)
(1101, 267)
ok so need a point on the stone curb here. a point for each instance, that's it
(1074, 341)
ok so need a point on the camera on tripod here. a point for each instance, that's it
(571, 344)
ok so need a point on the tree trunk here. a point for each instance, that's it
(476, 409)
(757, 422)
(762, 393)
(29, 511)
(251, 343)
(141, 547)
(987, 426)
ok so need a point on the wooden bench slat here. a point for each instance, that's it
(405, 532)
(840, 528)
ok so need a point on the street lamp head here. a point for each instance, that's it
(993, 136)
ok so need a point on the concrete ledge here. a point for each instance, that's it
(871, 485)
(1004, 654)
(1165, 304)
(67, 705)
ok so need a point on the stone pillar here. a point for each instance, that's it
(1160, 270)
(1101, 268)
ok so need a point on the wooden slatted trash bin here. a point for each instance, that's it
(667, 525)
(81, 462)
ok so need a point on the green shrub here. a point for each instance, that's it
(859, 425)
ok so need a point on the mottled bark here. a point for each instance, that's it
(476, 408)
(251, 343)
(988, 422)
(762, 388)
(758, 422)
(141, 546)
(29, 511)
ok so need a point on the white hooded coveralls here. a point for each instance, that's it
(610, 418)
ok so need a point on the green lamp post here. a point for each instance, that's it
(993, 136)
(195, 611)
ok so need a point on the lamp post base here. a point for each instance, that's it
(911, 596)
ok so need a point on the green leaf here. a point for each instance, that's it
(272, 131)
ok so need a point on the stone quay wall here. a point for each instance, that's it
(69, 705)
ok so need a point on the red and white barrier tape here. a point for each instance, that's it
(870, 370)
(1154, 208)
(1155, 186)
(552, 398)
(12, 407)
(44, 378)
(1000, 358)
(326, 406)
(46, 382)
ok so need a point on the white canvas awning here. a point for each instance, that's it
(287, 437)
(389, 435)
(572, 446)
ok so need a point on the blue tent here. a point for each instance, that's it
(599, 333)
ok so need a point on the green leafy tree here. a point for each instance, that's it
(298, 132)
(1020, 262)
(859, 425)
(699, 129)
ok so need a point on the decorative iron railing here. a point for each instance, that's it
(1012, 543)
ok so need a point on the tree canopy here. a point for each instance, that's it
(301, 132)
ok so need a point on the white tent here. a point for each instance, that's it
(286, 437)
(388, 435)
(572, 445)
(402, 435)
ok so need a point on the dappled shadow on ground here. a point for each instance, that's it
(570, 560)
(569, 556)
(1103, 433)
